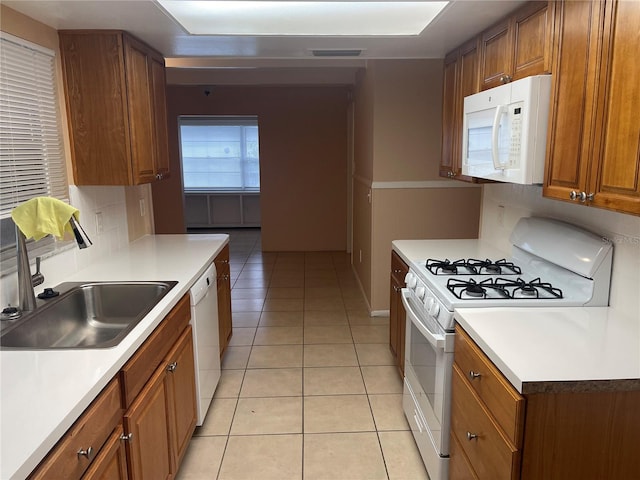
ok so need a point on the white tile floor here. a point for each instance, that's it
(308, 388)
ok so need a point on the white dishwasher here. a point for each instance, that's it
(204, 321)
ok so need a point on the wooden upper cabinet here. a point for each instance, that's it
(115, 95)
(460, 80)
(497, 60)
(518, 46)
(615, 183)
(450, 100)
(593, 146)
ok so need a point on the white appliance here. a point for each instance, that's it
(204, 321)
(505, 131)
(552, 263)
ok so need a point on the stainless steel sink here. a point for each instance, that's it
(85, 315)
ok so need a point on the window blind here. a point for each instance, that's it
(31, 152)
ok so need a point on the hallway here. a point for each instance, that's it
(308, 389)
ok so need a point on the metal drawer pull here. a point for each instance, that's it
(86, 453)
(126, 437)
(473, 375)
(172, 367)
(471, 436)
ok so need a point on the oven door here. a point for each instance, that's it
(428, 369)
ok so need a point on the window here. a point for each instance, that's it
(31, 153)
(220, 153)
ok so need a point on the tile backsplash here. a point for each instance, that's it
(105, 201)
(504, 204)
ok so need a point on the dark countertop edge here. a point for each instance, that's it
(582, 386)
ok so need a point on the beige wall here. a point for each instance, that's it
(303, 161)
(397, 141)
(408, 125)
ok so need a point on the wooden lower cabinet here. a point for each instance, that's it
(397, 314)
(566, 431)
(149, 449)
(140, 425)
(223, 272)
(111, 464)
(163, 417)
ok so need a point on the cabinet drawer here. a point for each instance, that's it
(491, 454)
(137, 371)
(459, 466)
(506, 405)
(90, 431)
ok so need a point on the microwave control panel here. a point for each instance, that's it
(515, 143)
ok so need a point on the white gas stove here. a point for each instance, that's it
(552, 263)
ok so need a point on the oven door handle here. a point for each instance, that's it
(436, 340)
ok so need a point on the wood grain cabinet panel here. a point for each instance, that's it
(496, 45)
(583, 431)
(149, 451)
(89, 433)
(492, 455)
(111, 464)
(116, 107)
(506, 405)
(461, 69)
(593, 146)
(181, 384)
(223, 272)
(518, 46)
(397, 314)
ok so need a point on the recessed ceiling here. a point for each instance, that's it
(147, 20)
(303, 18)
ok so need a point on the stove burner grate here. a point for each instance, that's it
(472, 266)
(532, 289)
(467, 289)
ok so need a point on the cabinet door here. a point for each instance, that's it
(615, 182)
(225, 327)
(450, 99)
(94, 81)
(397, 315)
(160, 117)
(149, 449)
(570, 129)
(496, 46)
(181, 388)
(532, 41)
(111, 462)
(140, 111)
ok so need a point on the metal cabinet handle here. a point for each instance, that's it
(573, 195)
(126, 437)
(505, 78)
(474, 375)
(88, 453)
(471, 436)
(172, 367)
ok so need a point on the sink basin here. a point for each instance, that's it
(85, 315)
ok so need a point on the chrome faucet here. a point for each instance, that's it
(26, 281)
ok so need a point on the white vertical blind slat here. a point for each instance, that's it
(31, 154)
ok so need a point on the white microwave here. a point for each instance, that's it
(505, 131)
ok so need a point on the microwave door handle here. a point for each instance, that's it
(434, 339)
(500, 111)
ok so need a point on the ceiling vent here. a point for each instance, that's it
(337, 53)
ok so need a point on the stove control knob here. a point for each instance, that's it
(420, 291)
(428, 302)
(434, 309)
(411, 280)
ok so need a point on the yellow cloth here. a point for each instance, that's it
(42, 216)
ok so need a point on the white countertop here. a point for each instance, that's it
(43, 392)
(575, 348)
(412, 250)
